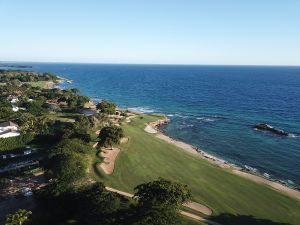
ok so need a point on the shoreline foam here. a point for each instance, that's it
(220, 162)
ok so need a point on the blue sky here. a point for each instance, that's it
(154, 31)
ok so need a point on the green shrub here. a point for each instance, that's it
(15, 142)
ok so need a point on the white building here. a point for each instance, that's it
(15, 108)
(9, 129)
(13, 99)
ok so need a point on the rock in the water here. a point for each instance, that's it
(267, 127)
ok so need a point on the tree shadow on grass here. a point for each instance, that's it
(96, 170)
(230, 219)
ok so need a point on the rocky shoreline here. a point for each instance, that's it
(267, 127)
(246, 173)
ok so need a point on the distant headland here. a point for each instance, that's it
(15, 66)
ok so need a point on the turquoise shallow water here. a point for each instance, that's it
(212, 107)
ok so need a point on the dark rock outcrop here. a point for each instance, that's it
(267, 127)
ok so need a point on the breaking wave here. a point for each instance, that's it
(141, 109)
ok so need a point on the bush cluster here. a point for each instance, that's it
(15, 142)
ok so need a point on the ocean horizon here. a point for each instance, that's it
(211, 107)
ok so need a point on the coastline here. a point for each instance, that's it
(52, 84)
(291, 192)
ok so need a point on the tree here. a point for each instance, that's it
(159, 201)
(110, 135)
(75, 91)
(107, 107)
(67, 164)
(26, 121)
(5, 112)
(18, 218)
(157, 216)
(43, 125)
(4, 182)
(72, 102)
(36, 125)
(35, 107)
(82, 124)
(81, 100)
(162, 192)
(68, 167)
(100, 201)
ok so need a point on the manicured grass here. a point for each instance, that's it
(146, 157)
(41, 84)
(63, 117)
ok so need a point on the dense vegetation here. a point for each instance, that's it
(7, 76)
(107, 107)
(15, 142)
(109, 136)
(93, 204)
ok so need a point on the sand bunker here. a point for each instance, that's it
(198, 207)
(124, 140)
(150, 129)
(109, 156)
(95, 145)
(128, 119)
(199, 218)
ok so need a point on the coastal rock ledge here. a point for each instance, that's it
(267, 127)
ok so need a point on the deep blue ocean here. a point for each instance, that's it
(211, 107)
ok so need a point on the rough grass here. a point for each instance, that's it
(63, 117)
(146, 157)
(41, 84)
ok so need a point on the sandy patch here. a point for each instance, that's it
(50, 85)
(182, 145)
(89, 105)
(150, 130)
(179, 144)
(95, 145)
(124, 140)
(109, 156)
(289, 191)
(128, 118)
(119, 192)
(198, 207)
(199, 218)
(190, 149)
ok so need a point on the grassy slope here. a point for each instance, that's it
(63, 117)
(41, 84)
(145, 158)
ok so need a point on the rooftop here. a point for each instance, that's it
(8, 124)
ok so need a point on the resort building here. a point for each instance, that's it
(13, 99)
(9, 129)
(15, 108)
